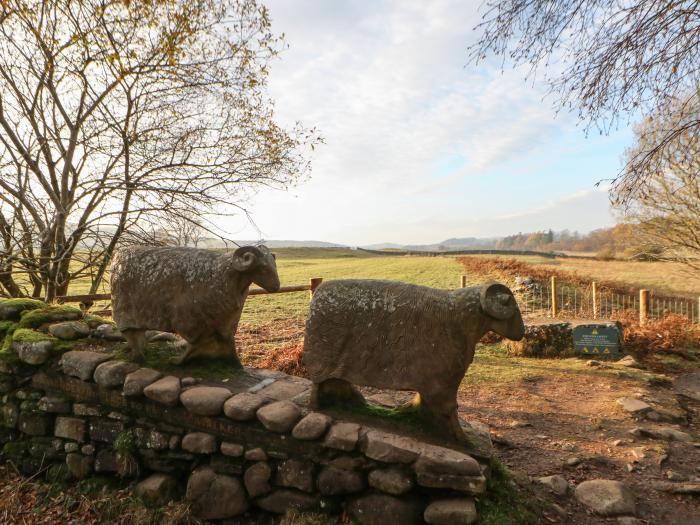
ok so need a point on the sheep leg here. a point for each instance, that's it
(214, 346)
(137, 342)
(441, 411)
(335, 392)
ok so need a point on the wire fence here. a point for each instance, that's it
(537, 299)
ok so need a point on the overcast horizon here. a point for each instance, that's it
(421, 146)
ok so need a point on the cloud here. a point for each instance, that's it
(387, 85)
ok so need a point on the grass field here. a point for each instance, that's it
(297, 266)
(664, 277)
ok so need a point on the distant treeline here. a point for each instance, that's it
(617, 240)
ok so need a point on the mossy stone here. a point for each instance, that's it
(12, 309)
(49, 314)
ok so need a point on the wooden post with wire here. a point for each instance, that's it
(463, 281)
(555, 305)
(643, 306)
(594, 293)
(314, 283)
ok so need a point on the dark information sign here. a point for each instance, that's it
(598, 340)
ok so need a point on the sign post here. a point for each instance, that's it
(598, 341)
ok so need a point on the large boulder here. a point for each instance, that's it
(215, 496)
(157, 489)
(606, 497)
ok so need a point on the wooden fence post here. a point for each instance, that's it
(314, 283)
(594, 292)
(463, 281)
(643, 306)
(555, 306)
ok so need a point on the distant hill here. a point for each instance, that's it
(210, 242)
(454, 244)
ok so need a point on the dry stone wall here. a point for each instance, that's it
(247, 444)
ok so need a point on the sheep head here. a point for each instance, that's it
(257, 263)
(501, 310)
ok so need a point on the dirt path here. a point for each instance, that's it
(541, 422)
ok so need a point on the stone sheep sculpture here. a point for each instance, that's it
(198, 294)
(399, 336)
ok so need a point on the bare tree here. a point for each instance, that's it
(608, 58)
(666, 206)
(115, 114)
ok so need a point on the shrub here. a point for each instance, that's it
(543, 340)
(672, 333)
(606, 254)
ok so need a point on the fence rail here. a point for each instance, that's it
(537, 299)
(87, 300)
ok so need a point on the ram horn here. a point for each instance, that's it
(497, 301)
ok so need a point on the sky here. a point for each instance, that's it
(421, 145)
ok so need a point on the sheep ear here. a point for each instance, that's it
(245, 257)
(497, 301)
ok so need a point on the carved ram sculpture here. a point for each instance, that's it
(198, 294)
(400, 336)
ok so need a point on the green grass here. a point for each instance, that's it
(492, 366)
(504, 503)
(438, 272)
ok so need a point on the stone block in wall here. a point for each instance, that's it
(243, 406)
(312, 426)
(231, 449)
(391, 480)
(279, 416)
(334, 481)
(157, 489)
(165, 391)
(136, 381)
(282, 500)
(45, 447)
(256, 454)
(82, 364)
(152, 439)
(226, 465)
(440, 460)
(380, 509)
(85, 409)
(79, 466)
(199, 443)
(454, 511)
(105, 431)
(106, 461)
(113, 373)
(34, 424)
(205, 400)
(215, 496)
(257, 479)
(390, 448)
(69, 330)
(33, 353)
(54, 404)
(72, 428)
(342, 436)
(296, 474)
(9, 414)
